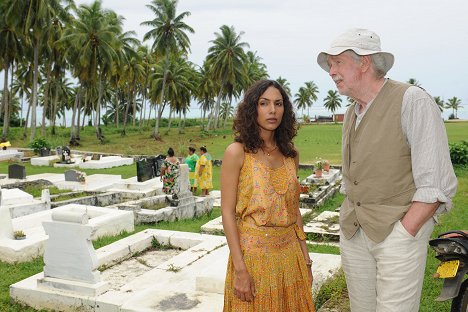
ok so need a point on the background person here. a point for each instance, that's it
(191, 161)
(397, 174)
(170, 172)
(204, 171)
(269, 268)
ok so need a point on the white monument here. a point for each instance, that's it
(6, 228)
(70, 259)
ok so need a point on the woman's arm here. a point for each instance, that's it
(232, 163)
(300, 225)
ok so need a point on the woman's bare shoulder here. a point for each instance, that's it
(235, 151)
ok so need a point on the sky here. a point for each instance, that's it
(429, 38)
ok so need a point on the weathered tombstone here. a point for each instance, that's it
(45, 197)
(72, 175)
(157, 163)
(66, 155)
(70, 260)
(96, 157)
(145, 170)
(58, 151)
(45, 151)
(16, 171)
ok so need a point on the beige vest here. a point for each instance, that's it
(376, 167)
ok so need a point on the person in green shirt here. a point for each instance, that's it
(191, 161)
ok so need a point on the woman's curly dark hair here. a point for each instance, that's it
(247, 130)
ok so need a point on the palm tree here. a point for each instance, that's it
(414, 82)
(254, 70)
(169, 32)
(10, 50)
(440, 103)
(333, 101)
(285, 84)
(34, 18)
(226, 58)
(205, 92)
(454, 104)
(312, 90)
(226, 110)
(93, 44)
(301, 99)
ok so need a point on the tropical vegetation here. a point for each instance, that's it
(78, 61)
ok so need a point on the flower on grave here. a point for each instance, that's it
(81, 177)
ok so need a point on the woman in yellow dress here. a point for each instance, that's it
(204, 172)
(269, 268)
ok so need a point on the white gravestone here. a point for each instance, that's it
(70, 259)
(6, 228)
(45, 197)
(182, 185)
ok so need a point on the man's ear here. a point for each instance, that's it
(366, 63)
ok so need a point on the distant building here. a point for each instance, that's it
(339, 117)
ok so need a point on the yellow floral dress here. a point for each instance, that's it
(266, 210)
(205, 181)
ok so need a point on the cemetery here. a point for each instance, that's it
(190, 267)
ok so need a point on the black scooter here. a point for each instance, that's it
(452, 250)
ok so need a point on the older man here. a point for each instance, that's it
(397, 175)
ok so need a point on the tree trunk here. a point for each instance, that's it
(227, 113)
(156, 134)
(73, 141)
(46, 100)
(180, 122)
(134, 108)
(149, 114)
(26, 122)
(34, 91)
(143, 103)
(127, 107)
(218, 103)
(54, 113)
(158, 118)
(98, 112)
(5, 104)
(169, 122)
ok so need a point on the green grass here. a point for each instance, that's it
(12, 273)
(313, 141)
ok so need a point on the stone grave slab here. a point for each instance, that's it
(193, 279)
(94, 182)
(10, 154)
(104, 221)
(44, 161)
(327, 177)
(326, 224)
(21, 203)
(106, 162)
(51, 177)
(16, 171)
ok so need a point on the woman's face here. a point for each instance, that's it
(190, 152)
(270, 109)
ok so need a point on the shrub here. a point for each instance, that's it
(459, 153)
(38, 144)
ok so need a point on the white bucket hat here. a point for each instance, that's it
(361, 41)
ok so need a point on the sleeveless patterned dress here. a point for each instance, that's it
(266, 212)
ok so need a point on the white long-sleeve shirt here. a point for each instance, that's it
(425, 134)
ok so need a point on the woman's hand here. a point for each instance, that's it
(244, 287)
(311, 276)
